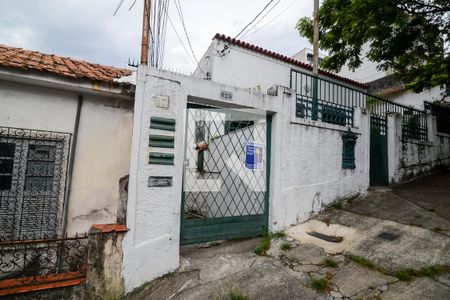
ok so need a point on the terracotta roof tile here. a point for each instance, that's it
(62, 66)
(283, 58)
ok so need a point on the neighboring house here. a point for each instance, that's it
(241, 64)
(65, 138)
(306, 56)
(384, 84)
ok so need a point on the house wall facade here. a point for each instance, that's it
(409, 158)
(233, 65)
(103, 147)
(305, 166)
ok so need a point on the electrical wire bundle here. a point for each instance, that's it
(158, 22)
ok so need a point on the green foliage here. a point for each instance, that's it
(319, 284)
(285, 247)
(263, 246)
(366, 263)
(405, 274)
(234, 295)
(402, 274)
(410, 37)
(329, 262)
(277, 234)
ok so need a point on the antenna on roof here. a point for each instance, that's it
(132, 63)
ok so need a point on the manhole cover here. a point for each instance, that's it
(328, 238)
(388, 236)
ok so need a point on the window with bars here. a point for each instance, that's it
(33, 167)
(348, 150)
(7, 151)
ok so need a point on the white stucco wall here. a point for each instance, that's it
(103, 148)
(248, 69)
(409, 157)
(416, 100)
(305, 162)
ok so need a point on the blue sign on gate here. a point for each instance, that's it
(254, 154)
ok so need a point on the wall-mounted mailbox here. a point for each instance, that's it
(160, 181)
(157, 158)
(162, 123)
(161, 141)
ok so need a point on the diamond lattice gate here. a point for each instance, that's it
(225, 178)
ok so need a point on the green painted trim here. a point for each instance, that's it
(211, 229)
(268, 157)
(162, 123)
(158, 158)
(161, 141)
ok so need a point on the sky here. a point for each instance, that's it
(87, 29)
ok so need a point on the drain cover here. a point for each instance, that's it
(328, 238)
(388, 236)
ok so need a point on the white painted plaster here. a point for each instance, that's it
(306, 171)
(410, 157)
(244, 68)
(103, 148)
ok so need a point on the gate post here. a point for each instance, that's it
(151, 246)
(394, 133)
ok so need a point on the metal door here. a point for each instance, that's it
(378, 150)
(225, 176)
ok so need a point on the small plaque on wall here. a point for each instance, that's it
(159, 181)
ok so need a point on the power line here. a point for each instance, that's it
(273, 19)
(118, 7)
(180, 15)
(265, 7)
(260, 19)
(181, 41)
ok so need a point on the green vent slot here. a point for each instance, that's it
(157, 158)
(162, 123)
(161, 141)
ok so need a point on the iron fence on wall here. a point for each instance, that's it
(41, 264)
(442, 115)
(330, 102)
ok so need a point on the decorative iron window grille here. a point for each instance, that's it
(38, 261)
(348, 150)
(33, 167)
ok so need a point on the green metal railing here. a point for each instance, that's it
(330, 102)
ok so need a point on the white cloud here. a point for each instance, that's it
(88, 30)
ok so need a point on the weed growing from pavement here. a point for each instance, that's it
(285, 247)
(263, 246)
(363, 261)
(277, 235)
(319, 284)
(235, 295)
(402, 274)
(329, 262)
(437, 229)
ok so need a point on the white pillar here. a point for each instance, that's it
(394, 136)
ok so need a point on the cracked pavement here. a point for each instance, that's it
(416, 213)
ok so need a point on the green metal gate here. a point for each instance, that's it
(378, 150)
(225, 174)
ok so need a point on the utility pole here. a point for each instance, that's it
(145, 32)
(315, 102)
(316, 38)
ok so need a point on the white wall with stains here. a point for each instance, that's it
(103, 148)
(305, 166)
(411, 157)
